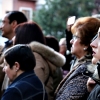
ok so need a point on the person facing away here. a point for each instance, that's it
(73, 86)
(52, 42)
(19, 62)
(9, 22)
(47, 60)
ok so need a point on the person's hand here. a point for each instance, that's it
(90, 84)
(68, 27)
(69, 23)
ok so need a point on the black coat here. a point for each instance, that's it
(95, 93)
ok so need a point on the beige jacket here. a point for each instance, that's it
(47, 63)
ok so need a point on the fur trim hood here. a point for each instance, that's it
(52, 56)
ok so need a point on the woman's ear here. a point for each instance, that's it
(16, 66)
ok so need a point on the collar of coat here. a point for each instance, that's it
(54, 57)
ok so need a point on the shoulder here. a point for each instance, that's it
(37, 55)
(11, 94)
(83, 67)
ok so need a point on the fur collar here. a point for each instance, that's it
(54, 57)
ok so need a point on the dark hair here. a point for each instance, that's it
(16, 15)
(52, 42)
(21, 54)
(87, 27)
(28, 32)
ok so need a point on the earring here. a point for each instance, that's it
(84, 49)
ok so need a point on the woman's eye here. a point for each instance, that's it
(75, 37)
(94, 37)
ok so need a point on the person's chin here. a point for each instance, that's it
(11, 80)
(94, 60)
(72, 52)
(3, 35)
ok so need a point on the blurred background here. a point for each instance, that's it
(51, 15)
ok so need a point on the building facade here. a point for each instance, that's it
(26, 6)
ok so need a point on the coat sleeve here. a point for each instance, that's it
(95, 93)
(41, 69)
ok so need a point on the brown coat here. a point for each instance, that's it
(47, 62)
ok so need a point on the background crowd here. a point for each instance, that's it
(38, 67)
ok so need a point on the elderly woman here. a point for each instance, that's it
(73, 86)
(25, 84)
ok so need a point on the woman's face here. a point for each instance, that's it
(96, 48)
(11, 72)
(77, 49)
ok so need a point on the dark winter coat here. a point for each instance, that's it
(95, 93)
(26, 86)
(73, 86)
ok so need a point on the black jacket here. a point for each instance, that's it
(95, 93)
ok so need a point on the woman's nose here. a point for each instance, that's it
(93, 44)
(71, 41)
(0, 27)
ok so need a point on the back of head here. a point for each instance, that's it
(16, 15)
(21, 54)
(87, 27)
(62, 41)
(52, 42)
(28, 32)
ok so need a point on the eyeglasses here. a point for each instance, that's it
(94, 37)
(75, 37)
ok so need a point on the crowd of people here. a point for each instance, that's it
(38, 67)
